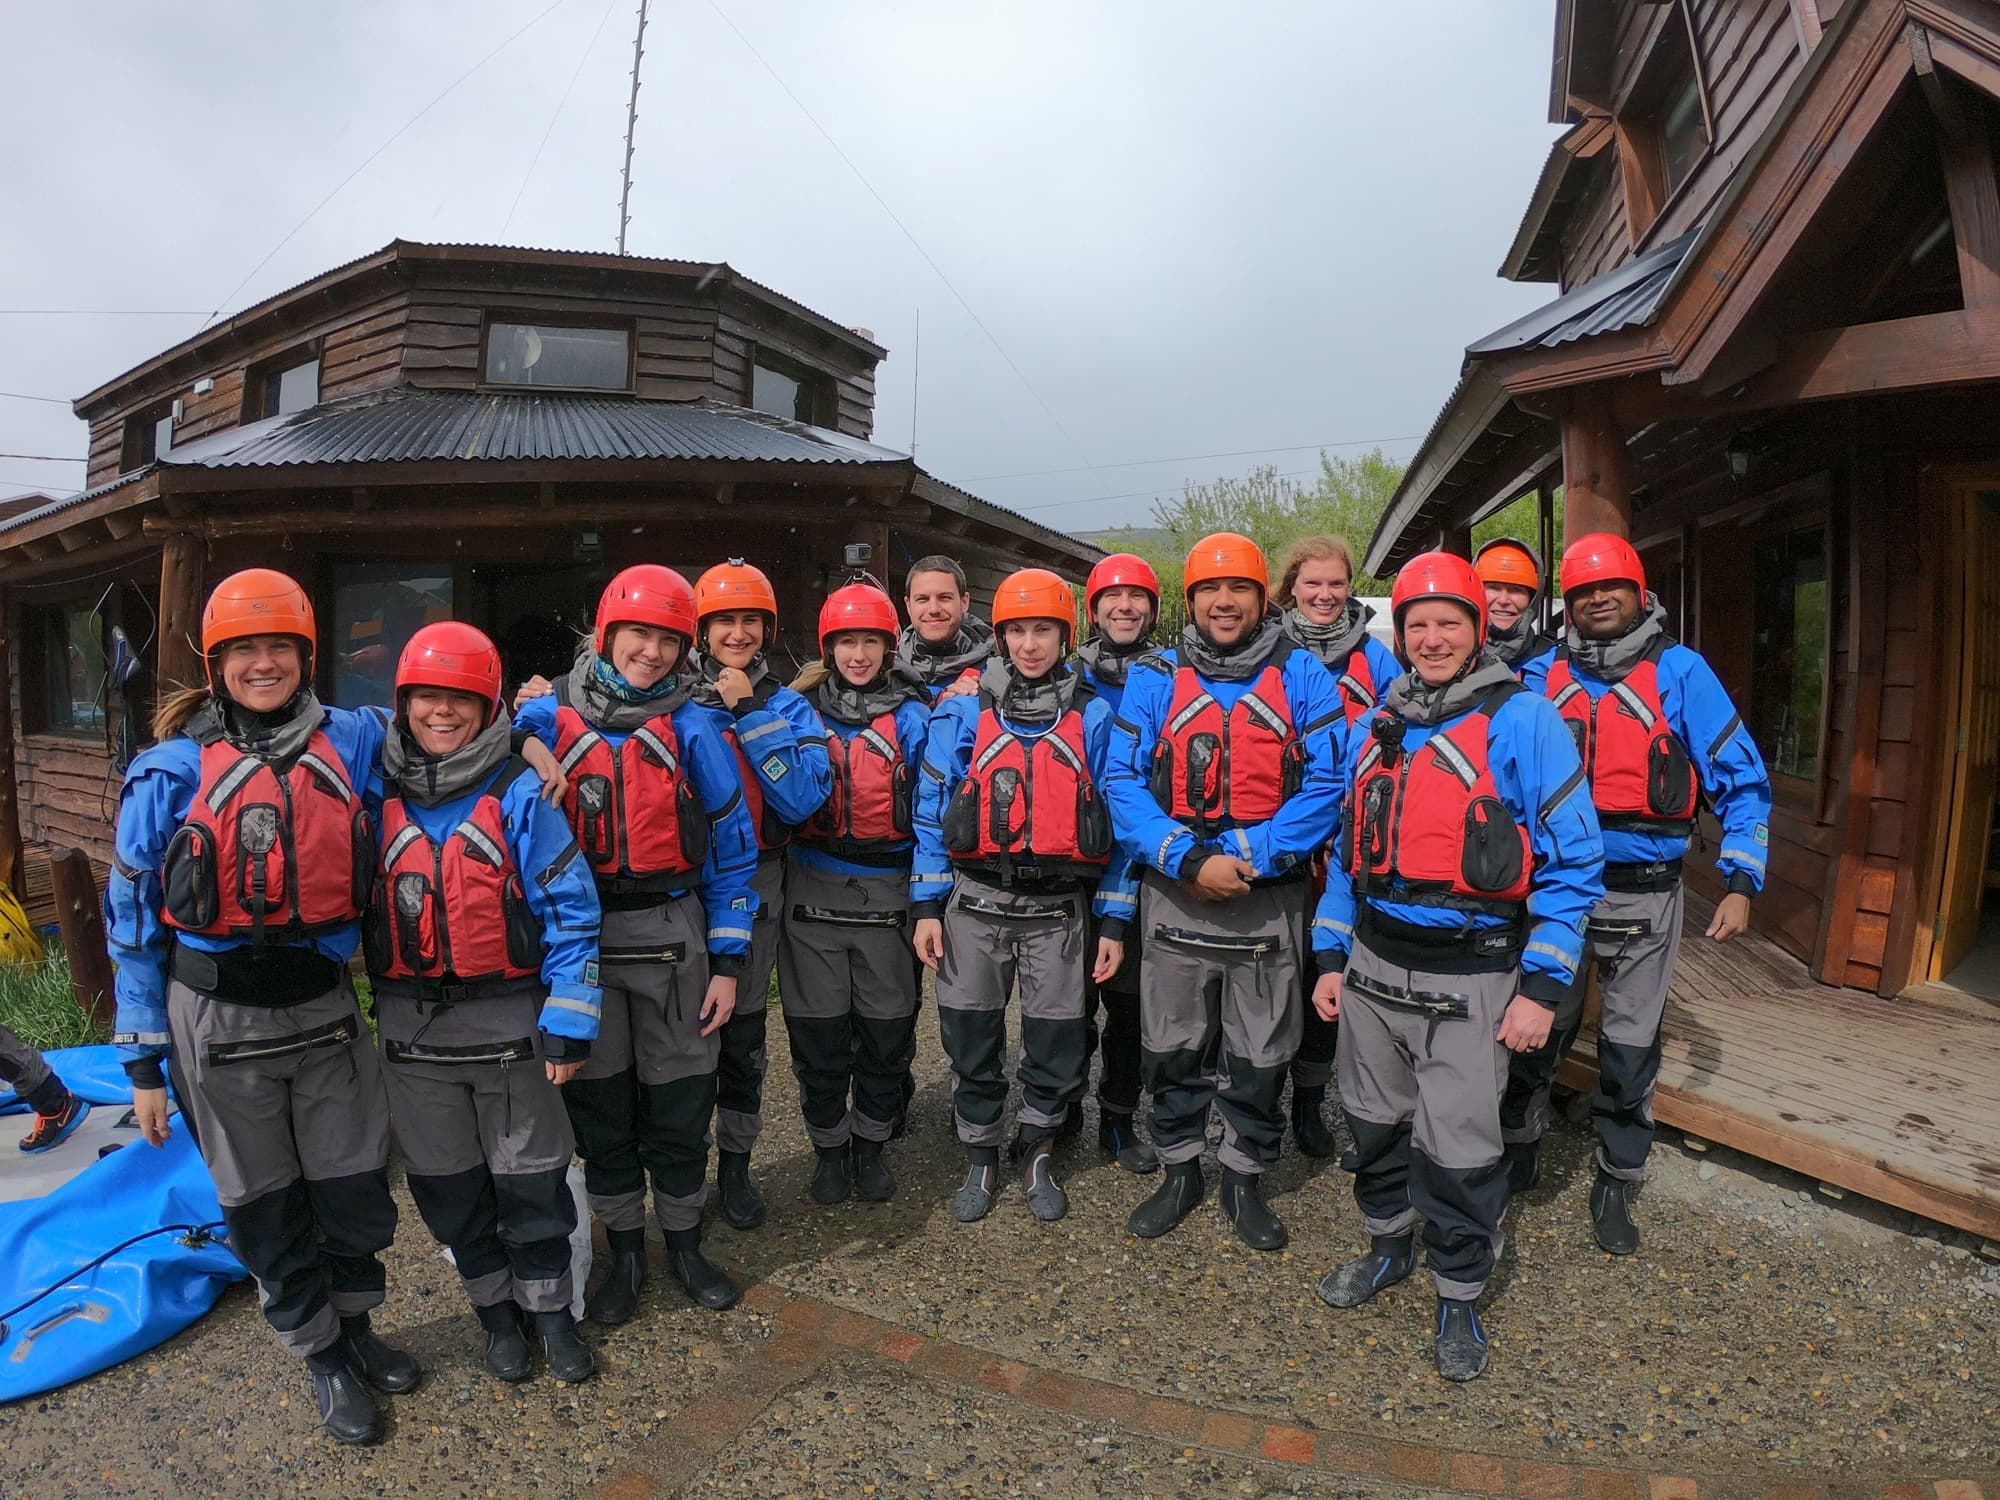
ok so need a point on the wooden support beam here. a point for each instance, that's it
(81, 914)
(1597, 471)
(12, 866)
(1966, 148)
(179, 662)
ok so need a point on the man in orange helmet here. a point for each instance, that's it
(1224, 781)
(1512, 573)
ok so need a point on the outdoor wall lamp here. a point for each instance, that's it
(1745, 450)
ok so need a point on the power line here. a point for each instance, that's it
(1133, 495)
(561, 104)
(98, 312)
(45, 458)
(21, 396)
(1192, 458)
(34, 486)
(915, 244)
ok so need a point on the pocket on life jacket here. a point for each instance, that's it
(377, 950)
(361, 856)
(1204, 774)
(1162, 780)
(961, 818)
(693, 819)
(1669, 774)
(192, 884)
(594, 829)
(1295, 769)
(410, 909)
(901, 800)
(1580, 733)
(1375, 805)
(1002, 827)
(524, 932)
(1492, 859)
(1093, 822)
(260, 879)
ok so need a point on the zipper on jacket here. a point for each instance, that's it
(438, 905)
(237, 1052)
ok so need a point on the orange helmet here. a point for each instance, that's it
(1120, 570)
(857, 606)
(256, 601)
(1035, 594)
(734, 585)
(646, 594)
(1226, 554)
(1601, 557)
(451, 654)
(1438, 575)
(1505, 560)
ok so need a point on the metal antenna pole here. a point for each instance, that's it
(916, 381)
(631, 124)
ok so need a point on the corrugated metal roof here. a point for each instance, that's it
(406, 426)
(70, 502)
(1627, 297)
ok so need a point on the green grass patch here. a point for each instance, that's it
(38, 1004)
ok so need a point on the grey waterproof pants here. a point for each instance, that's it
(23, 1069)
(1421, 1092)
(291, 1116)
(486, 1141)
(993, 938)
(642, 1103)
(742, 1059)
(1219, 1016)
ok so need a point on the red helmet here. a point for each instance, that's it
(256, 601)
(1601, 557)
(734, 585)
(1438, 575)
(1227, 554)
(451, 654)
(1120, 569)
(857, 606)
(1035, 594)
(646, 594)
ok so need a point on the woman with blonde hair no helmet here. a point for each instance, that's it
(244, 857)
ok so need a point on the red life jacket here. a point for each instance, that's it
(1029, 796)
(268, 854)
(867, 817)
(1641, 776)
(1428, 826)
(1359, 691)
(454, 911)
(1214, 770)
(634, 808)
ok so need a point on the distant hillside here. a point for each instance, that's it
(1127, 538)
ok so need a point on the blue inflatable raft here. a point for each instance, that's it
(107, 1246)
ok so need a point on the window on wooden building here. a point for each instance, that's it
(377, 607)
(1663, 124)
(68, 641)
(548, 355)
(790, 390)
(288, 386)
(1788, 659)
(148, 436)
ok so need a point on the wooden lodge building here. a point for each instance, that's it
(439, 431)
(1774, 362)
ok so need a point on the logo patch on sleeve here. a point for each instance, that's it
(1763, 834)
(774, 768)
(590, 972)
(741, 903)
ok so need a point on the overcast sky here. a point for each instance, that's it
(1192, 229)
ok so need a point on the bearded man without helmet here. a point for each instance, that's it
(1451, 926)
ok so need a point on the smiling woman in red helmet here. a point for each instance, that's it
(244, 857)
(481, 942)
(1450, 928)
(657, 806)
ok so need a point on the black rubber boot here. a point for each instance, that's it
(1390, 1259)
(617, 1295)
(569, 1357)
(1244, 1206)
(1524, 1165)
(974, 1201)
(1046, 1199)
(506, 1342)
(830, 1183)
(1611, 1215)
(701, 1278)
(383, 1366)
(1118, 1137)
(345, 1409)
(1461, 1341)
(1172, 1201)
(872, 1180)
(1309, 1123)
(1072, 1125)
(741, 1204)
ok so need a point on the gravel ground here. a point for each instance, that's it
(1754, 1326)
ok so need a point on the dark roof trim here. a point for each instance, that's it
(1471, 409)
(1548, 187)
(1621, 298)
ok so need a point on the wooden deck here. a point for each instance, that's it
(1895, 1099)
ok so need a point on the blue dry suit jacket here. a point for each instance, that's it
(785, 745)
(1274, 847)
(913, 723)
(562, 894)
(726, 895)
(954, 728)
(1731, 768)
(159, 790)
(1540, 779)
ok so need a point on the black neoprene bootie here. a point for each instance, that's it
(617, 1295)
(742, 1205)
(974, 1201)
(1244, 1206)
(1173, 1200)
(1390, 1259)
(1046, 1199)
(1309, 1123)
(829, 1180)
(1118, 1137)
(383, 1366)
(1524, 1165)
(507, 1355)
(700, 1277)
(345, 1409)
(1611, 1215)
(1461, 1341)
(569, 1357)
(872, 1180)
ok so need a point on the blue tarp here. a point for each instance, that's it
(62, 1321)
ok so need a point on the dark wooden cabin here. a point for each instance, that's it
(461, 431)
(1774, 363)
